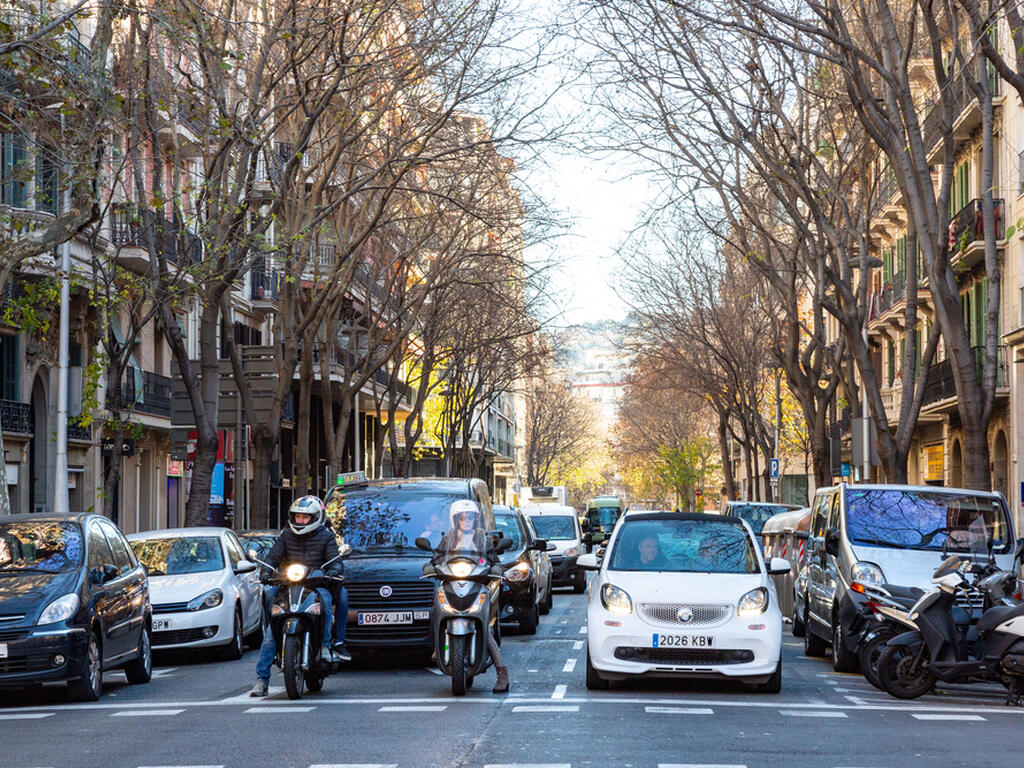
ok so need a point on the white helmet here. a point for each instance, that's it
(464, 507)
(306, 505)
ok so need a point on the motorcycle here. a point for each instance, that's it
(465, 609)
(872, 614)
(913, 661)
(297, 619)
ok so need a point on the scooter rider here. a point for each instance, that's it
(309, 542)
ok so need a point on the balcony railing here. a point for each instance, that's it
(78, 432)
(265, 284)
(961, 95)
(968, 225)
(16, 417)
(939, 382)
(155, 396)
(129, 225)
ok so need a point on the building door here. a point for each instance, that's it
(38, 486)
(172, 502)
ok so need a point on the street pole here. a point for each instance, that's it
(359, 439)
(778, 428)
(60, 485)
(865, 473)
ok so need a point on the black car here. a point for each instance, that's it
(389, 604)
(74, 601)
(524, 596)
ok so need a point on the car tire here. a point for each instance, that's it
(140, 669)
(842, 659)
(594, 680)
(798, 627)
(528, 623)
(774, 683)
(580, 582)
(90, 685)
(545, 606)
(234, 650)
(814, 646)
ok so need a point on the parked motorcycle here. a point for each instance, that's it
(297, 616)
(937, 649)
(465, 608)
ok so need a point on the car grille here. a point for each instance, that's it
(16, 664)
(668, 614)
(170, 607)
(5, 618)
(404, 594)
(394, 634)
(684, 656)
(176, 636)
(8, 635)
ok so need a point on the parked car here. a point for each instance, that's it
(683, 595)
(74, 603)
(205, 593)
(526, 593)
(389, 602)
(559, 525)
(895, 534)
(756, 513)
(261, 541)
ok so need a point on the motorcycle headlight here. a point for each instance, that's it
(210, 599)
(753, 603)
(461, 569)
(60, 609)
(518, 572)
(616, 600)
(867, 573)
(296, 572)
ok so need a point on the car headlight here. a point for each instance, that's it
(460, 569)
(296, 572)
(572, 552)
(518, 572)
(60, 609)
(210, 599)
(616, 600)
(867, 573)
(754, 603)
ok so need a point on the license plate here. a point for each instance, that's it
(3, 650)
(160, 624)
(682, 641)
(389, 617)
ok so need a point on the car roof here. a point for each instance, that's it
(641, 514)
(447, 484)
(920, 488)
(78, 517)
(253, 534)
(171, 533)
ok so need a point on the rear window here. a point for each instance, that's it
(553, 527)
(377, 519)
(603, 516)
(184, 554)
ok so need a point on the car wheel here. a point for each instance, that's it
(594, 680)
(774, 683)
(814, 646)
(235, 649)
(580, 583)
(90, 685)
(842, 659)
(140, 669)
(545, 606)
(528, 624)
(798, 628)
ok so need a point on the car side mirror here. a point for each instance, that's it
(540, 545)
(778, 566)
(423, 543)
(832, 542)
(96, 576)
(550, 547)
(588, 562)
(1020, 549)
(104, 574)
(503, 545)
(245, 566)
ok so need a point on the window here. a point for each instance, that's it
(99, 549)
(13, 171)
(9, 367)
(122, 557)
(235, 553)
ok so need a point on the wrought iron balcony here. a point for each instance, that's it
(154, 397)
(79, 433)
(264, 284)
(129, 226)
(968, 226)
(939, 382)
(16, 417)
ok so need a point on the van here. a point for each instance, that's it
(603, 512)
(559, 525)
(890, 534)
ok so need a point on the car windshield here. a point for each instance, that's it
(683, 546)
(40, 546)
(509, 527)
(603, 516)
(930, 520)
(391, 517)
(756, 515)
(176, 555)
(553, 527)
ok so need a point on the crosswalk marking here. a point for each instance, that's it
(559, 692)
(148, 713)
(679, 710)
(810, 713)
(354, 765)
(278, 710)
(416, 708)
(967, 718)
(583, 629)
(578, 645)
(570, 665)
(546, 708)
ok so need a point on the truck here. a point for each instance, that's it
(545, 494)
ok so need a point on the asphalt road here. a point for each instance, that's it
(197, 712)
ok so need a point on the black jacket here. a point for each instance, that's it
(312, 550)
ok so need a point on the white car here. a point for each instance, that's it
(203, 590)
(683, 595)
(558, 525)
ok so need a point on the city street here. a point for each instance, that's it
(198, 713)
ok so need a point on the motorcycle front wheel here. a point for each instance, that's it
(458, 665)
(900, 676)
(293, 675)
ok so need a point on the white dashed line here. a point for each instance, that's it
(577, 645)
(797, 713)
(679, 710)
(583, 629)
(966, 718)
(354, 765)
(534, 708)
(148, 713)
(528, 765)
(559, 692)
(278, 710)
(416, 708)
(570, 665)
(699, 765)
(181, 766)
(27, 716)
(435, 671)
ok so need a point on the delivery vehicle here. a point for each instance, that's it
(603, 512)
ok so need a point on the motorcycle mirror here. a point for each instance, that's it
(345, 549)
(252, 554)
(832, 542)
(503, 545)
(423, 543)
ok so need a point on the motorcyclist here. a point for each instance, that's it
(467, 533)
(309, 542)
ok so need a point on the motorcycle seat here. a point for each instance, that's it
(903, 592)
(993, 617)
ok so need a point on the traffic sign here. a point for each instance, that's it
(773, 469)
(844, 469)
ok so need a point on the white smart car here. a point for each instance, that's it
(681, 595)
(204, 591)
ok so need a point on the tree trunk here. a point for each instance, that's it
(263, 445)
(302, 418)
(197, 509)
(723, 447)
(112, 472)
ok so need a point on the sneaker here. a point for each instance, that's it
(342, 651)
(260, 688)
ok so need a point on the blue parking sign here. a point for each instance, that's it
(773, 469)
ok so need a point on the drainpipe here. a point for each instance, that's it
(60, 486)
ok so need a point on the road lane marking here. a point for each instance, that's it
(164, 672)
(577, 645)
(583, 629)
(528, 765)
(278, 710)
(415, 708)
(148, 713)
(559, 692)
(354, 765)
(679, 710)
(966, 718)
(700, 765)
(811, 713)
(570, 665)
(434, 670)
(181, 766)
(27, 716)
(531, 708)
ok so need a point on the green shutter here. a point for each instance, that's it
(886, 266)
(901, 255)
(9, 367)
(891, 368)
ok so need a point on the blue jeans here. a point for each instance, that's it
(268, 650)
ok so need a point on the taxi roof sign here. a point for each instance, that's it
(352, 478)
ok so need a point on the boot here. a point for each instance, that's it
(501, 683)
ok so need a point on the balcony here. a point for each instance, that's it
(154, 397)
(129, 231)
(264, 286)
(940, 388)
(966, 113)
(16, 417)
(967, 233)
(78, 433)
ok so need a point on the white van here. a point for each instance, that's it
(559, 525)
